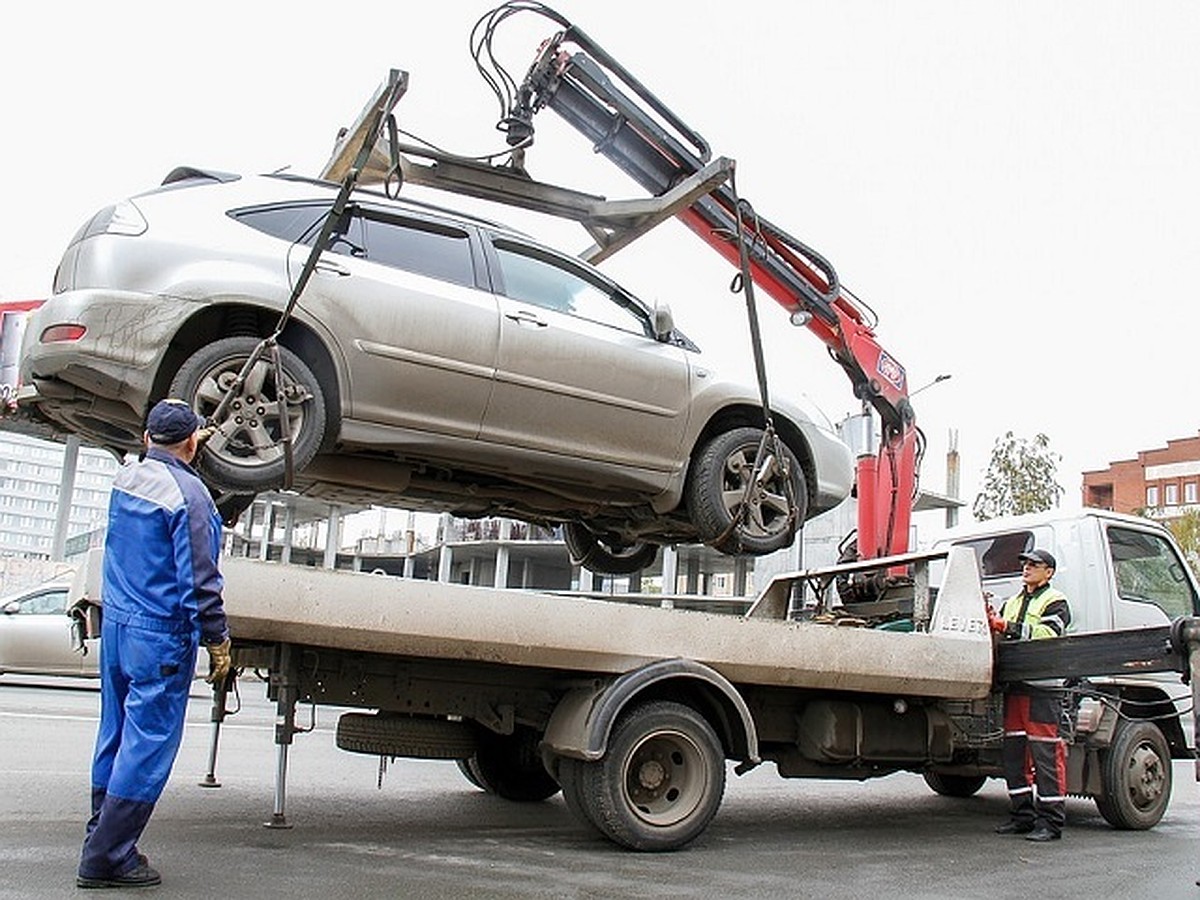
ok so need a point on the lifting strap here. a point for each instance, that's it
(770, 453)
(284, 391)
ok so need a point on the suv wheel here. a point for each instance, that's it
(717, 486)
(245, 454)
(607, 557)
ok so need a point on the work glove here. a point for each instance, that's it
(995, 622)
(219, 661)
(203, 434)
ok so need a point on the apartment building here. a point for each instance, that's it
(1165, 482)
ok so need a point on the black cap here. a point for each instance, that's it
(1038, 556)
(171, 421)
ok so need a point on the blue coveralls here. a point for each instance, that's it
(161, 594)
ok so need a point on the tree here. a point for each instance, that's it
(1021, 478)
(1186, 529)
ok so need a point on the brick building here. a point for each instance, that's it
(1164, 481)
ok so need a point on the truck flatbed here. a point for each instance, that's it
(424, 619)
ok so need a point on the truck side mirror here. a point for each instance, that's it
(664, 322)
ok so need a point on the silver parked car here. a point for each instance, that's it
(435, 361)
(35, 635)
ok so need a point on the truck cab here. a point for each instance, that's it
(1118, 571)
(1121, 574)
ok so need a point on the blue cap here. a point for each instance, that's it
(171, 421)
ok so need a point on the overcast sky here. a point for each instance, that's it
(1012, 187)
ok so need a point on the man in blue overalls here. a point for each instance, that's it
(161, 596)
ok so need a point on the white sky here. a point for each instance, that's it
(1012, 186)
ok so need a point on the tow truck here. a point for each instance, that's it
(633, 712)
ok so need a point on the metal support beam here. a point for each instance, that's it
(284, 682)
(66, 494)
(333, 527)
(289, 530)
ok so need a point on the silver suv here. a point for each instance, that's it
(435, 361)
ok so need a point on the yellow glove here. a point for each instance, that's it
(219, 661)
(203, 434)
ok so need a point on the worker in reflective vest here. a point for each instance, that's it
(1035, 754)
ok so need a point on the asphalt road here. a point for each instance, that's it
(426, 833)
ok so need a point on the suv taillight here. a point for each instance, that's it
(57, 334)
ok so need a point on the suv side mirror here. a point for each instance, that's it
(664, 322)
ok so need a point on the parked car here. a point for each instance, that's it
(435, 361)
(35, 635)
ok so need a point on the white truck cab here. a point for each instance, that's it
(1118, 571)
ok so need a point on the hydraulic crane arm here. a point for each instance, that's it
(631, 127)
(571, 76)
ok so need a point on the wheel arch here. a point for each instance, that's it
(218, 320)
(1152, 704)
(583, 719)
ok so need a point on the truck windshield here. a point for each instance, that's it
(1148, 570)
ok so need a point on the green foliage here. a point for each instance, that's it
(1186, 529)
(1020, 478)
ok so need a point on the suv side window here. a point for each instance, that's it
(1148, 570)
(548, 283)
(424, 248)
(290, 223)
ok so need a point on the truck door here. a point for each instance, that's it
(1152, 580)
(580, 374)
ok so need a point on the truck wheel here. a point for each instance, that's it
(510, 766)
(570, 776)
(1136, 775)
(954, 785)
(244, 455)
(716, 486)
(409, 736)
(470, 769)
(607, 557)
(661, 780)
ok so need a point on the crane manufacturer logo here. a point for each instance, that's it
(963, 625)
(891, 371)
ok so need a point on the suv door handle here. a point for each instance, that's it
(330, 268)
(525, 317)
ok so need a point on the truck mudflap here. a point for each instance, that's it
(583, 719)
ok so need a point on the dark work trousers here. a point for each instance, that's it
(1035, 757)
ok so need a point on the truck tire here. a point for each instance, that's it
(245, 455)
(715, 487)
(409, 736)
(607, 557)
(660, 781)
(510, 766)
(1136, 775)
(570, 777)
(954, 785)
(470, 769)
